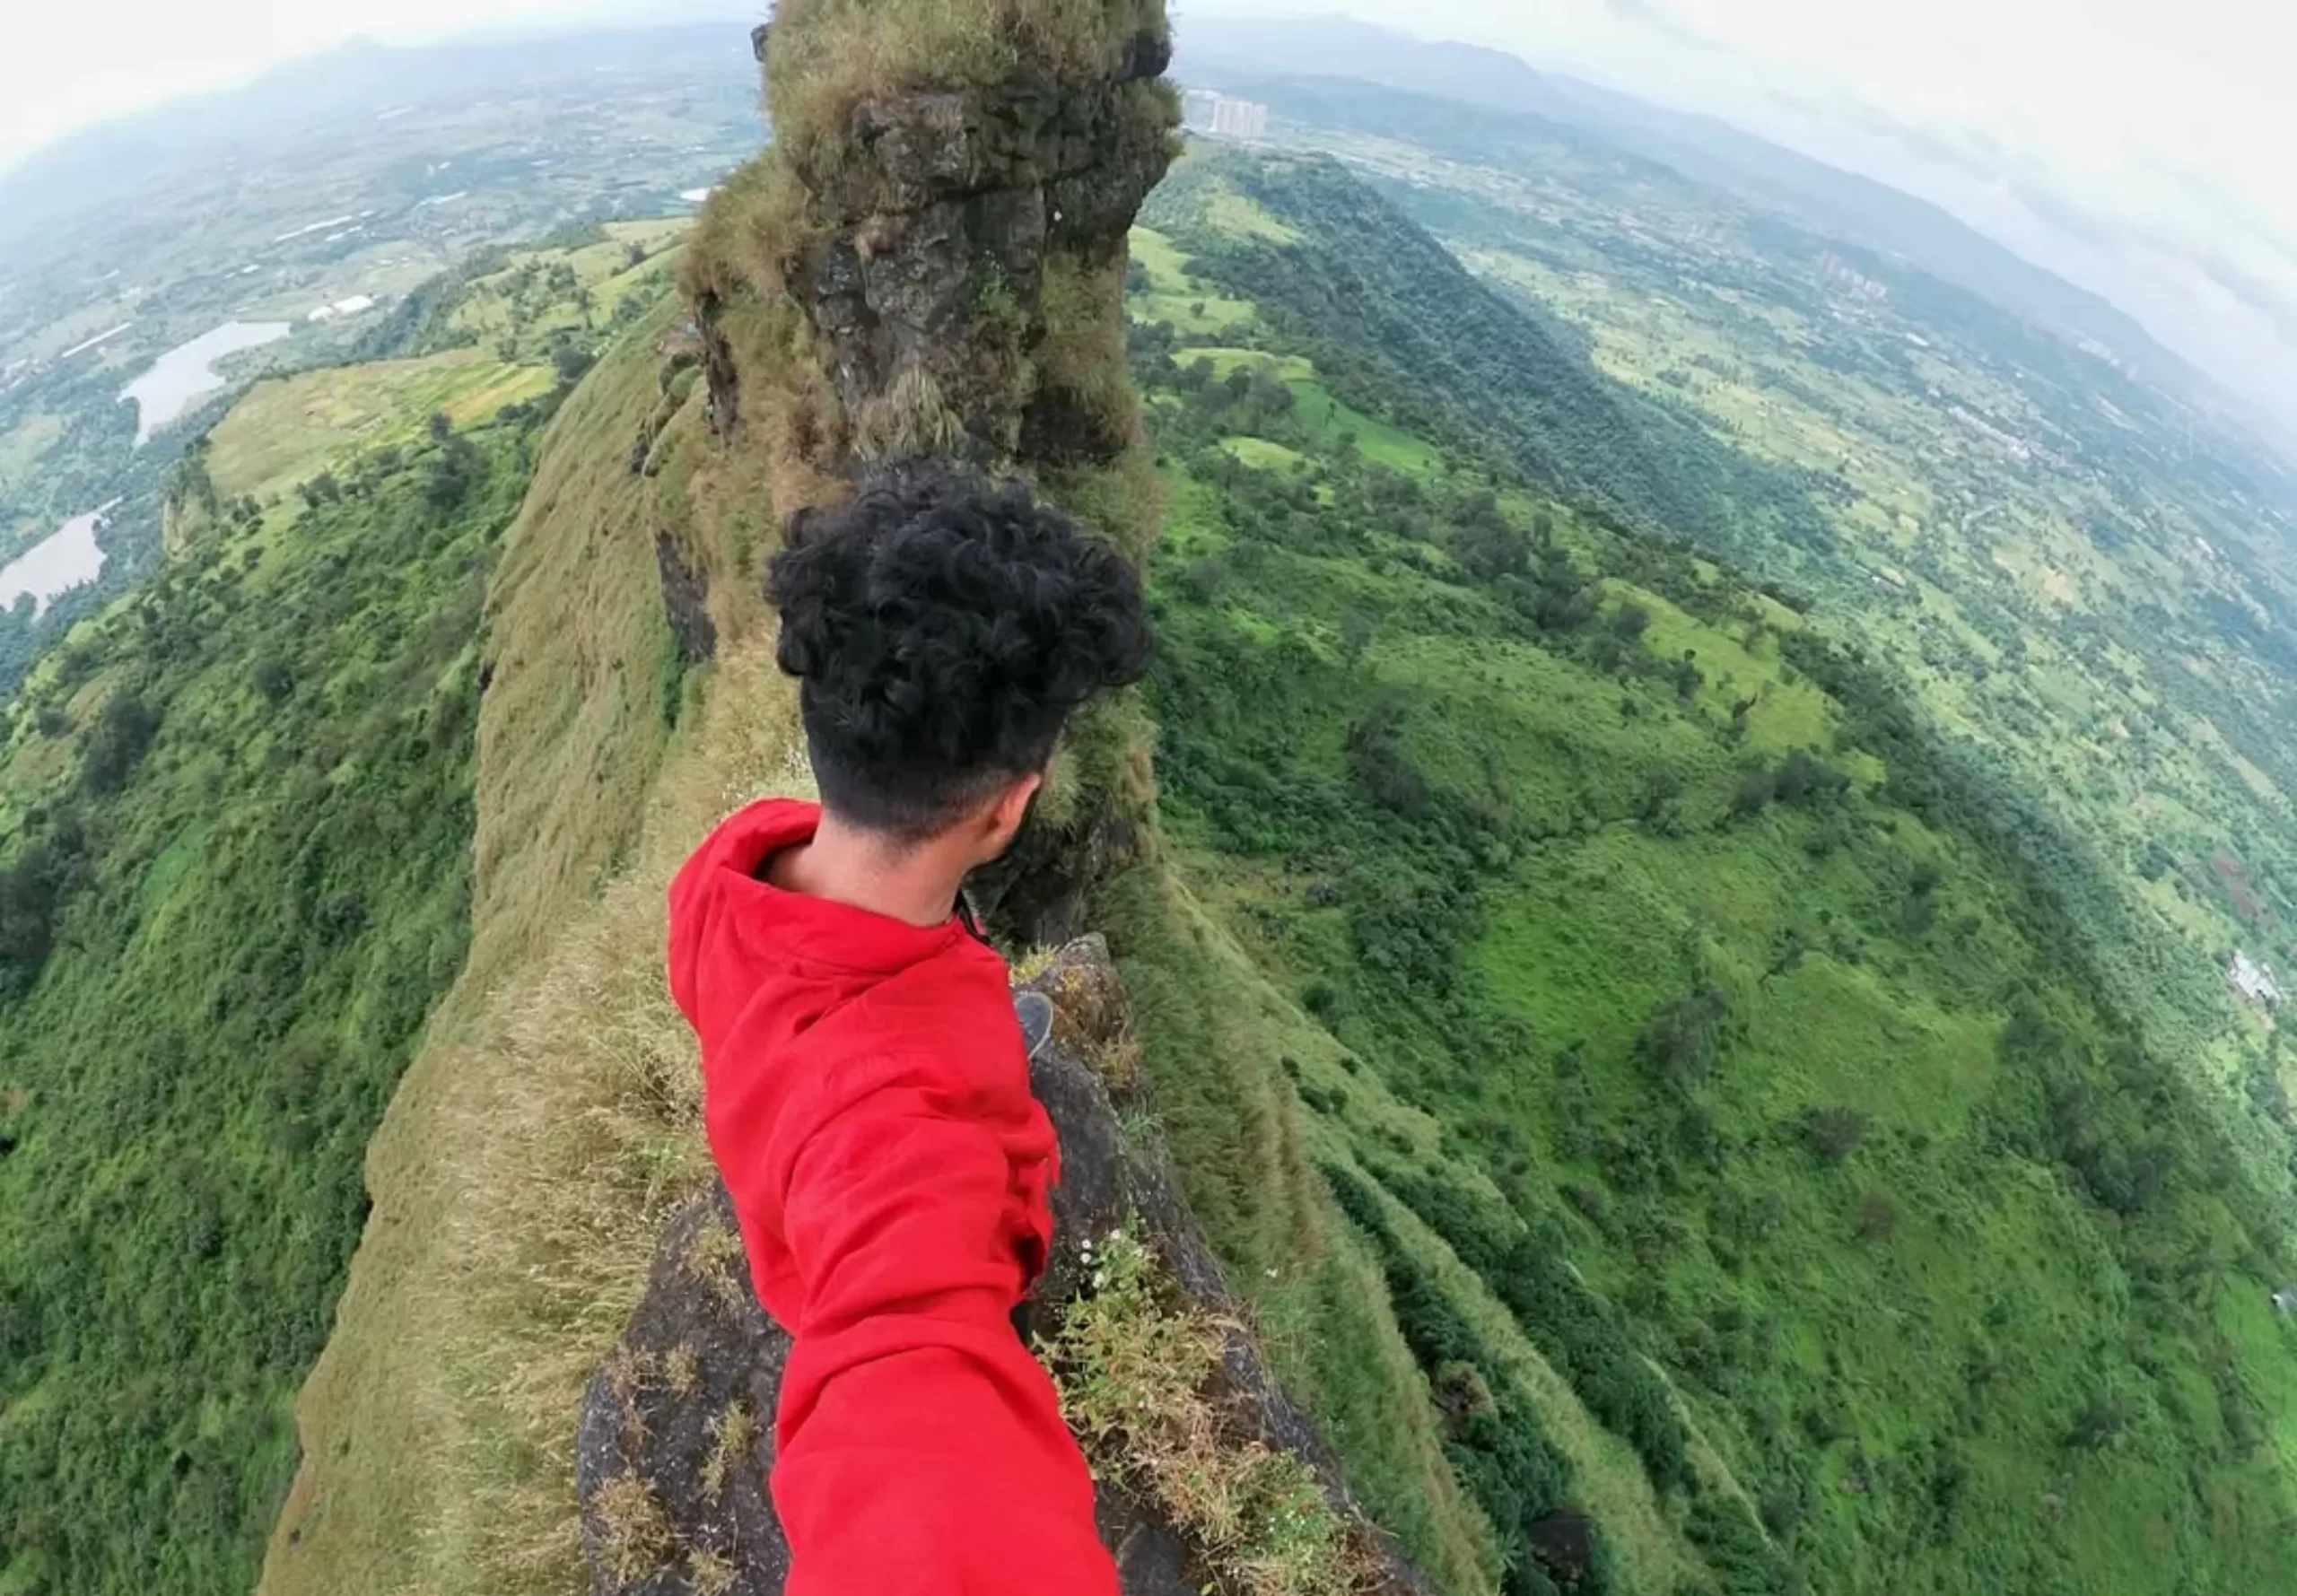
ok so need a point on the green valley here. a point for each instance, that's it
(1675, 872)
(243, 804)
(1686, 990)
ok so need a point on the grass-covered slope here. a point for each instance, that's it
(240, 808)
(240, 815)
(1750, 1153)
(521, 1173)
(1453, 356)
(2081, 575)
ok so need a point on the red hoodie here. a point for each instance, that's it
(868, 1100)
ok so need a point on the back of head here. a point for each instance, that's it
(945, 629)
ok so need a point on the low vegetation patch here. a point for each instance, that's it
(1137, 1368)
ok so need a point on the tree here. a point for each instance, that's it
(1378, 761)
(1685, 1038)
(272, 678)
(32, 890)
(569, 360)
(123, 732)
(1756, 789)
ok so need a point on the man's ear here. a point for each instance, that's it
(1011, 808)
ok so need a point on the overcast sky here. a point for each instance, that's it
(2145, 150)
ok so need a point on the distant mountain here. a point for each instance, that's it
(339, 96)
(1221, 49)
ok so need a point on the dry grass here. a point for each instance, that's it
(1134, 1364)
(746, 233)
(827, 56)
(1082, 356)
(522, 1180)
(635, 1540)
(732, 1434)
(715, 1261)
(570, 732)
(708, 1574)
(522, 1172)
(911, 419)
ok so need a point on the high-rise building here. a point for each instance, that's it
(1204, 111)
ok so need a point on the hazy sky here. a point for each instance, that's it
(69, 62)
(2145, 150)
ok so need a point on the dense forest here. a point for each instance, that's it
(242, 804)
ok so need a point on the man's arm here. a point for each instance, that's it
(920, 1447)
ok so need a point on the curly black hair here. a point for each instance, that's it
(945, 628)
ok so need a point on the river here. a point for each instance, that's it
(188, 370)
(65, 559)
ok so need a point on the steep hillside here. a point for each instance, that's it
(241, 807)
(2083, 581)
(1666, 1096)
(1770, 1099)
(548, 1121)
(242, 804)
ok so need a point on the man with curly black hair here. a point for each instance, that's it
(865, 1080)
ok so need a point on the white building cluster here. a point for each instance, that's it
(1202, 110)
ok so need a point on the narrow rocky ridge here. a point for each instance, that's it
(676, 1442)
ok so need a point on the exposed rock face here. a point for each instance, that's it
(676, 1432)
(685, 598)
(676, 1441)
(938, 232)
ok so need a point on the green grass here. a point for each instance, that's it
(1172, 296)
(1264, 456)
(545, 295)
(288, 429)
(242, 806)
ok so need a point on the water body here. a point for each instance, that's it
(66, 558)
(188, 370)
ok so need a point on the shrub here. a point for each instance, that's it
(1133, 1365)
(1685, 1038)
(117, 744)
(1833, 1134)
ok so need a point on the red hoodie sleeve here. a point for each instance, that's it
(921, 1448)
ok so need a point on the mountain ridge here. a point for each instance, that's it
(1703, 147)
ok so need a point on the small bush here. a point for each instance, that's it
(1133, 1366)
(1833, 1134)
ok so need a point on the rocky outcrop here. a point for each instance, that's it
(929, 263)
(686, 603)
(676, 1442)
(960, 259)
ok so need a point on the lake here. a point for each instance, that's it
(188, 370)
(66, 558)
